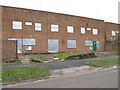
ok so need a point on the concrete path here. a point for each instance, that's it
(58, 65)
(107, 78)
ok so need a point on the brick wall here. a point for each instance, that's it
(8, 50)
(109, 27)
(46, 19)
(111, 46)
(63, 20)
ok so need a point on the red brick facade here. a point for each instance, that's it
(46, 19)
(9, 50)
(109, 27)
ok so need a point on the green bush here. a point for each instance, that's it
(18, 62)
(67, 54)
(36, 59)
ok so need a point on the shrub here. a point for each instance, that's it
(36, 59)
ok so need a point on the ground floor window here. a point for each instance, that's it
(29, 41)
(88, 43)
(71, 43)
(98, 43)
(53, 45)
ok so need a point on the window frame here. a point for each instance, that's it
(56, 26)
(69, 43)
(69, 29)
(97, 44)
(28, 23)
(20, 24)
(40, 27)
(114, 33)
(93, 31)
(89, 44)
(82, 31)
(27, 41)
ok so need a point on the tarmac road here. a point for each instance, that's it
(107, 78)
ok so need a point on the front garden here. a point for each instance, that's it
(24, 73)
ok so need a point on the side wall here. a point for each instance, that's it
(109, 27)
(110, 45)
(9, 50)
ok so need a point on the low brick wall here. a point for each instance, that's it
(9, 50)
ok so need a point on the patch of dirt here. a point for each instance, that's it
(42, 56)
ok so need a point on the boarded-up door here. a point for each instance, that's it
(52, 45)
(19, 44)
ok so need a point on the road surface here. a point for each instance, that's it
(107, 78)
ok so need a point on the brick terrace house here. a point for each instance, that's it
(42, 32)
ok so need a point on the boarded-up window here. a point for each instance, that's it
(70, 29)
(38, 26)
(88, 43)
(28, 23)
(113, 33)
(95, 31)
(54, 28)
(98, 43)
(29, 41)
(17, 25)
(71, 43)
(53, 45)
(82, 30)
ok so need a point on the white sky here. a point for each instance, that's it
(99, 9)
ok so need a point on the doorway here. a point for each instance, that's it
(19, 44)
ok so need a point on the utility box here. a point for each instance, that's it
(94, 46)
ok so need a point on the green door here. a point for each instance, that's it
(94, 46)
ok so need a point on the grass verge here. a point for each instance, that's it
(66, 54)
(24, 73)
(103, 62)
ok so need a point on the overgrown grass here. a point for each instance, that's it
(106, 54)
(66, 54)
(36, 59)
(24, 73)
(103, 62)
(12, 63)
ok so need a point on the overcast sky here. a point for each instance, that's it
(99, 9)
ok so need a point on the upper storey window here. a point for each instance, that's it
(17, 25)
(70, 29)
(95, 31)
(28, 23)
(82, 30)
(113, 33)
(38, 26)
(54, 28)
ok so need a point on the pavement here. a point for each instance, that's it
(106, 78)
(58, 65)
